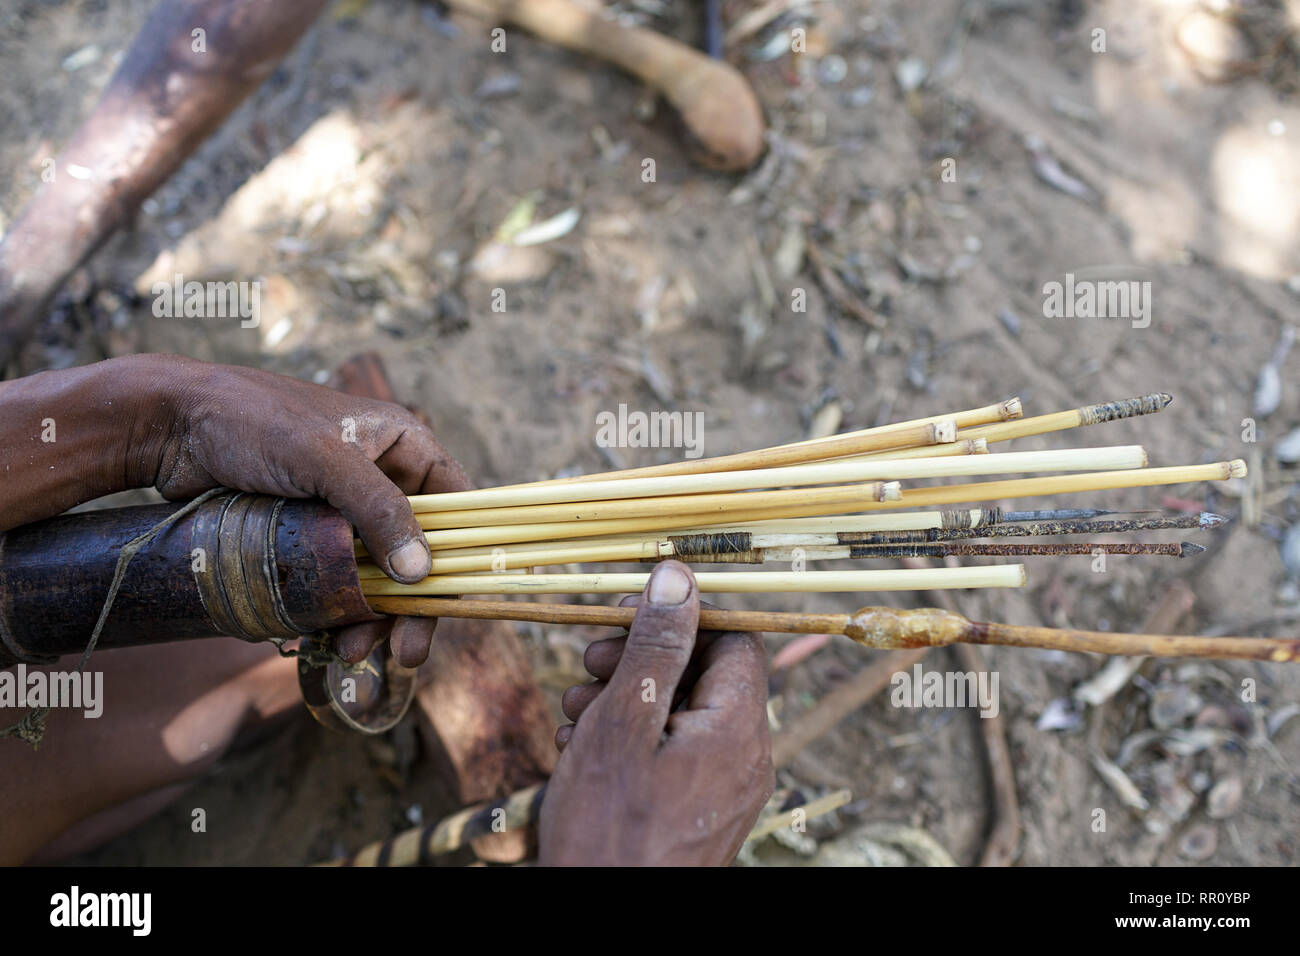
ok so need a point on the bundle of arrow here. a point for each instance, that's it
(774, 505)
(844, 497)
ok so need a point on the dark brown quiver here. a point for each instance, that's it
(250, 566)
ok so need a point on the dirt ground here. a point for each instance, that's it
(945, 160)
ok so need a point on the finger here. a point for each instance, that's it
(355, 642)
(563, 736)
(727, 709)
(658, 648)
(411, 639)
(606, 663)
(380, 512)
(419, 465)
(579, 697)
(739, 755)
(601, 657)
(733, 677)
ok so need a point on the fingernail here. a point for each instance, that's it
(669, 586)
(411, 560)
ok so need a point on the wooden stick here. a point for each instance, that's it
(1204, 521)
(972, 518)
(984, 415)
(941, 449)
(555, 531)
(888, 437)
(843, 531)
(943, 549)
(1065, 484)
(458, 539)
(1113, 458)
(651, 541)
(534, 557)
(875, 627)
(723, 582)
(1001, 411)
(705, 506)
(1072, 418)
(891, 521)
(710, 620)
(969, 446)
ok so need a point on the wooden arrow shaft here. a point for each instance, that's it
(875, 627)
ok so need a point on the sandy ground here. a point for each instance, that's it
(362, 180)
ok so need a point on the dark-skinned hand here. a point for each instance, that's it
(256, 431)
(669, 759)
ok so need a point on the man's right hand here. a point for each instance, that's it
(671, 761)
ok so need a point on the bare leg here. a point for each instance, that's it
(170, 711)
(165, 99)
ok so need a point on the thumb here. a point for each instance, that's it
(659, 646)
(381, 514)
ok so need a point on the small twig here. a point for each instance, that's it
(815, 808)
(1004, 836)
(839, 292)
